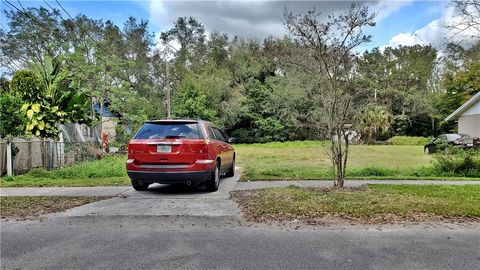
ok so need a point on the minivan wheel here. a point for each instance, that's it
(213, 182)
(137, 185)
(231, 171)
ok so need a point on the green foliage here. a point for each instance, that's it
(400, 78)
(259, 116)
(12, 123)
(400, 124)
(26, 85)
(409, 140)
(50, 97)
(458, 162)
(374, 120)
(191, 103)
(459, 87)
(4, 85)
(123, 135)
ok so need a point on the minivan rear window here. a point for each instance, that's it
(168, 131)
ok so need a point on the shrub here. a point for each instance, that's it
(458, 161)
(408, 140)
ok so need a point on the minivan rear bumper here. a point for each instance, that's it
(180, 177)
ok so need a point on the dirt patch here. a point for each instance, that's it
(32, 207)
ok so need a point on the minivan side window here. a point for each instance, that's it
(218, 134)
(210, 132)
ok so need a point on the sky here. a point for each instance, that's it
(399, 22)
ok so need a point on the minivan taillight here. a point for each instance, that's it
(201, 148)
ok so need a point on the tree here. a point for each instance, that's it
(259, 115)
(191, 103)
(468, 23)
(401, 79)
(12, 123)
(459, 88)
(330, 44)
(374, 120)
(33, 32)
(190, 35)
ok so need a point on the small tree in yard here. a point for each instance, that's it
(330, 47)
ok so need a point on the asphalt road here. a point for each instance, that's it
(171, 228)
(148, 242)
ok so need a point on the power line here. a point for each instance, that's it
(27, 15)
(34, 20)
(49, 5)
(58, 3)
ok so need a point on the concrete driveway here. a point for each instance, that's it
(165, 200)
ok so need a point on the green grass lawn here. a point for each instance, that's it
(109, 171)
(371, 204)
(308, 160)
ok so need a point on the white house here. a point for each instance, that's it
(468, 117)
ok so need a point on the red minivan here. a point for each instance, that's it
(179, 151)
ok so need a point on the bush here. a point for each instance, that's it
(11, 122)
(458, 161)
(408, 140)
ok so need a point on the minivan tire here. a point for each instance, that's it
(139, 186)
(213, 182)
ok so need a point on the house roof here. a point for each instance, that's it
(104, 111)
(464, 107)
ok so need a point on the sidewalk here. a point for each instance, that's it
(127, 190)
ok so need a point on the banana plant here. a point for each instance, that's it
(57, 98)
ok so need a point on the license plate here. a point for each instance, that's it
(164, 148)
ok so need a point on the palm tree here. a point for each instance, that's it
(374, 120)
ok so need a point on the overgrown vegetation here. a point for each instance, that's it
(369, 204)
(455, 161)
(408, 140)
